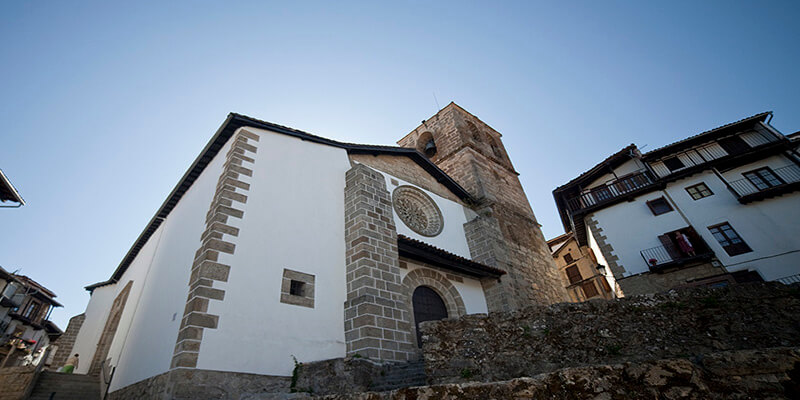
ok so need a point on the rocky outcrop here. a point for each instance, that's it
(745, 374)
(678, 324)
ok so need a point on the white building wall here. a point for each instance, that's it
(454, 216)
(770, 227)
(89, 334)
(294, 219)
(470, 290)
(160, 273)
(631, 227)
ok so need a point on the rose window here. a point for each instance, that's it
(417, 210)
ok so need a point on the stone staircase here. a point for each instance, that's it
(58, 386)
(401, 375)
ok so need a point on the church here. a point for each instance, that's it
(278, 244)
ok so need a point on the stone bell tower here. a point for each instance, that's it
(505, 234)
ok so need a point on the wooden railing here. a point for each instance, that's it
(788, 174)
(610, 191)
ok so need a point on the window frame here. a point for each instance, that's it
(670, 159)
(577, 273)
(568, 258)
(591, 284)
(650, 204)
(735, 244)
(698, 188)
(757, 172)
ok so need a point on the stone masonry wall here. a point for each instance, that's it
(472, 154)
(66, 341)
(229, 199)
(196, 384)
(15, 382)
(686, 324)
(745, 374)
(376, 321)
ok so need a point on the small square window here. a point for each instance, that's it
(568, 258)
(659, 206)
(673, 164)
(699, 191)
(296, 288)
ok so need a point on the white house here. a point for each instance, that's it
(278, 244)
(715, 208)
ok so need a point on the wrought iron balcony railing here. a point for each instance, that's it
(660, 257)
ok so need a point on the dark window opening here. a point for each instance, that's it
(734, 145)
(574, 275)
(296, 288)
(673, 164)
(730, 241)
(568, 258)
(763, 178)
(699, 191)
(659, 206)
(602, 193)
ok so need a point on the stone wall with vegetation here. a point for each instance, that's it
(687, 324)
(15, 382)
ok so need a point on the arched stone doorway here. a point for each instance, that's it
(428, 306)
(439, 284)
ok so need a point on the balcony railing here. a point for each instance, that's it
(660, 257)
(610, 191)
(788, 280)
(788, 175)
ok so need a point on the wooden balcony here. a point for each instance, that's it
(783, 180)
(611, 191)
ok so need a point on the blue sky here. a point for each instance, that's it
(105, 104)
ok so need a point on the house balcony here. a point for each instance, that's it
(663, 257)
(783, 180)
(11, 301)
(615, 190)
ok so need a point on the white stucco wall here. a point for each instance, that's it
(470, 290)
(770, 227)
(294, 219)
(96, 314)
(454, 216)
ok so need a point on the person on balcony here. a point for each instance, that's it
(684, 244)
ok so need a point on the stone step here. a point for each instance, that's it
(59, 386)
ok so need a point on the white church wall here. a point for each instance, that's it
(452, 238)
(89, 334)
(152, 329)
(470, 289)
(293, 219)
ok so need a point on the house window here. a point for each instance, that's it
(659, 206)
(297, 288)
(699, 191)
(574, 275)
(673, 164)
(729, 239)
(589, 289)
(568, 258)
(31, 311)
(763, 178)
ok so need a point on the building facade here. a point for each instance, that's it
(715, 208)
(278, 244)
(25, 308)
(582, 276)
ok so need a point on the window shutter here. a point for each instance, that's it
(666, 241)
